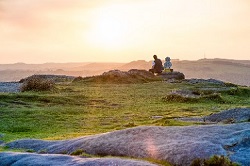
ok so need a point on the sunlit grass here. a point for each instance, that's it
(74, 110)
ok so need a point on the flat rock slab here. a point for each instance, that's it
(198, 81)
(228, 116)
(10, 87)
(172, 75)
(29, 159)
(234, 115)
(177, 145)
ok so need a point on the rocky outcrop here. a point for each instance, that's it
(178, 145)
(120, 77)
(28, 159)
(54, 78)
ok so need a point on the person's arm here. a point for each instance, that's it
(153, 64)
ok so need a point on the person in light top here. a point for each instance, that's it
(167, 64)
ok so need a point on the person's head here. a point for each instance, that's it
(167, 59)
(155, 56)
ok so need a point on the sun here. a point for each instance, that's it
(109, 31)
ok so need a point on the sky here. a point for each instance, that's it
(40, 31)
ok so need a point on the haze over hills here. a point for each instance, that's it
(235, 71)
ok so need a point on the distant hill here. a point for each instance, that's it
(226, 70)
(37, 67)
(140, 64)
(17, 71)
(235, 71)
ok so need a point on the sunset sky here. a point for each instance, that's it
(39, 31)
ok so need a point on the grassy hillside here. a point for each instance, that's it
(78, 109)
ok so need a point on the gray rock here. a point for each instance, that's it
(173, 75)
(236, 115)
(157, 117)
(142, 73)
(29, 159)
(212, 81)
(178, 145)
(12, 87)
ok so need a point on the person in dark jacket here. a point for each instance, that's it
(156, 66)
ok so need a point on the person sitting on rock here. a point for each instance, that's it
(167, 65)
(156, 66)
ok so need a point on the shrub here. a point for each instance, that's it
(37, 84)
(80, 152)
(214, 161)
(43, 151)
(130, 124)
(77, 79)
(214, 97)
(185, 99)
(240, 91)
(19, 129)
(77, 152)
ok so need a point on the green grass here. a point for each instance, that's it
(84, 109)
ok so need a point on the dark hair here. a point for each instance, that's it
(155, 56)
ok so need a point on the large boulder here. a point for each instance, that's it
(178, 145)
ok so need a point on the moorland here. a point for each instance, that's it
(85, 108)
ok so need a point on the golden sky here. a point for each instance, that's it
(39, 31)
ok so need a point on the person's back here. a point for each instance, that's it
(158, 66)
